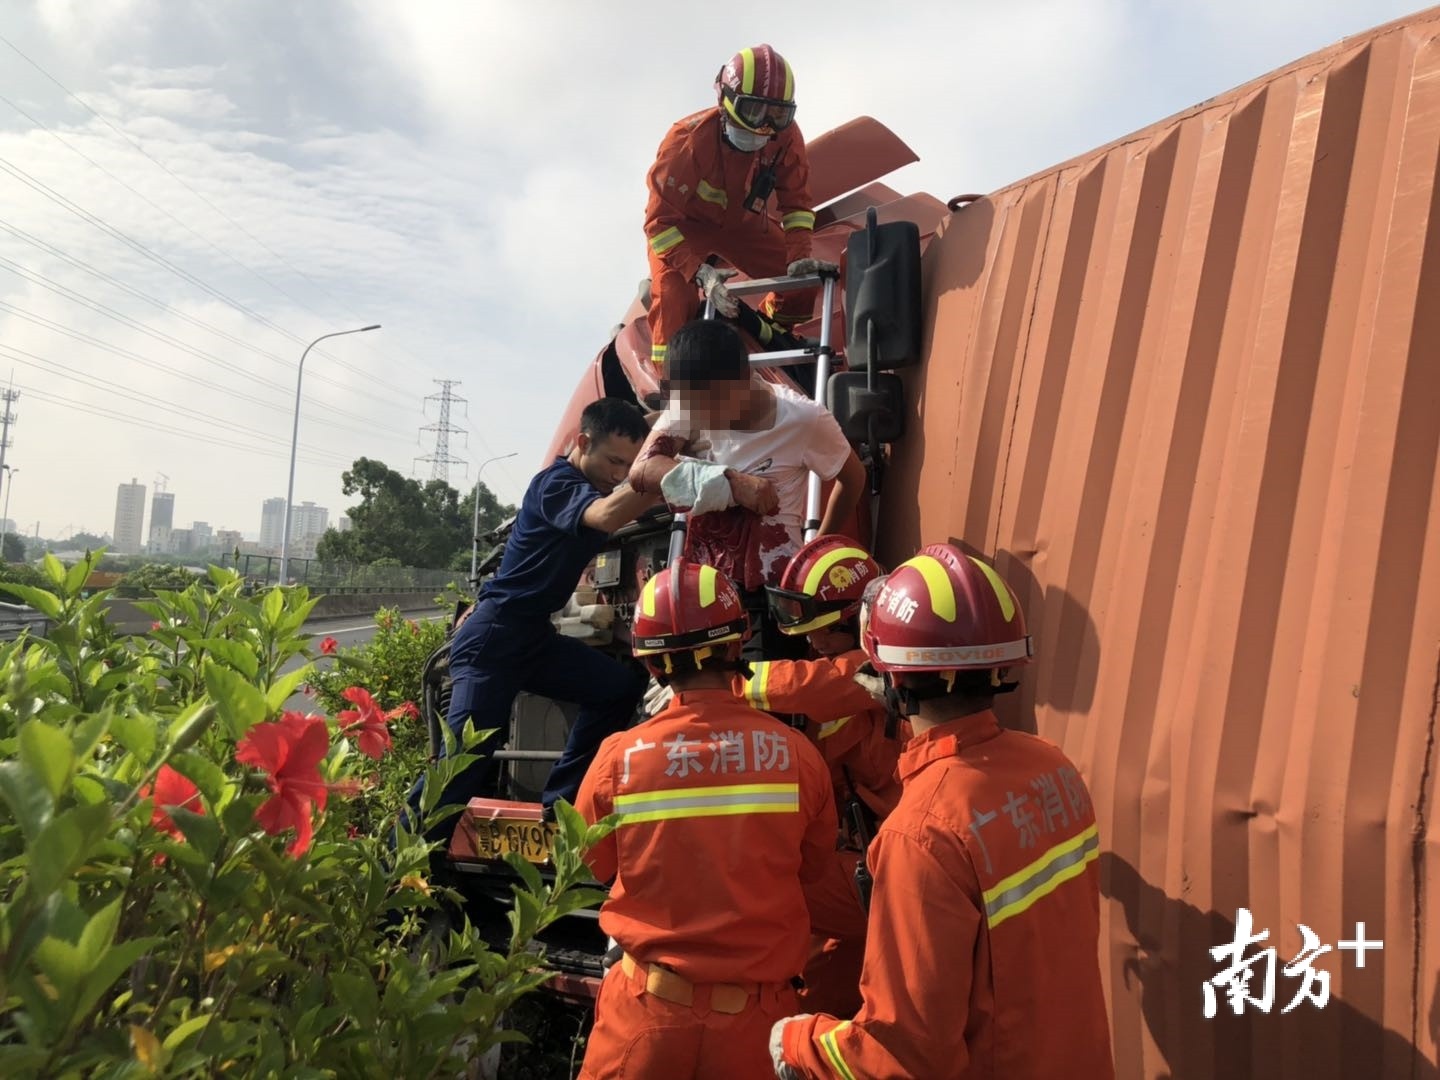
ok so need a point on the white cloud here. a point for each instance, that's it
(472, 176)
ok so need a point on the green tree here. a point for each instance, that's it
(400, 518)
(14, 548)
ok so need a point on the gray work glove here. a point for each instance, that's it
(801, 267)
(783, 1069)
(711, 280)
(657, 697)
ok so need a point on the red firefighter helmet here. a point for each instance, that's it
(943, 610)
(756, 89)
(687, 607)
(822, 585)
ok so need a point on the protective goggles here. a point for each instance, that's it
(791, 609)
(758, 113)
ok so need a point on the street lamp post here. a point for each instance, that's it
(5, 514)
(295, 441)
(475, 529)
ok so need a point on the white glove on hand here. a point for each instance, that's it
(871, 681)
(783, 1069)
(711, 280)
(657, 697)
(801, 267)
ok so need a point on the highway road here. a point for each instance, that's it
(348, 631)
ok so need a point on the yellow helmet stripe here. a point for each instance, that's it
(937, 581)
(789, 82)
(709, 582)
(823, 565)
(647, 598)
(1002, 591)
(747, 71)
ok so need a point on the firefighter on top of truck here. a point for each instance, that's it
(724, 814)
(710, 193)
(986, 907)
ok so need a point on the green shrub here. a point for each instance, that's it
(178, 892)
(151, 578)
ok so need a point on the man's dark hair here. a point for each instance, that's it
(613, 416)
(706, 351)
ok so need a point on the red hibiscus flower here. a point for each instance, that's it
(328, 646)
(414, 626)
(367, 724)
(405, 710)
(290, 751)
(171, 790)
(155, 626)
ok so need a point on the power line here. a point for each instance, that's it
(185, 184)
(151, 400)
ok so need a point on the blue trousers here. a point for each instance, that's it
(493, 658)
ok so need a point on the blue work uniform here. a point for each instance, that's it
(508, 644)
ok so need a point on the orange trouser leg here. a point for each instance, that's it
(637, 1036)
(832, 975)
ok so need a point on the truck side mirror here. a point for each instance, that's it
(882, 295)
(856, 405)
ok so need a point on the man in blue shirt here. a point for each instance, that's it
(508, 643)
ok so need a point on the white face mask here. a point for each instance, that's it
(740, 139)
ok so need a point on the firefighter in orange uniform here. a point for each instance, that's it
(711, 188)
(982, 959)
(724, 813)
(819, 596)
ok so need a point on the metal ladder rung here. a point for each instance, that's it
(773, 284)
(782, 356)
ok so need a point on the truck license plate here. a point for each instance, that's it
(498, 836)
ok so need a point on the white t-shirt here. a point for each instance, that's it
(804, 438)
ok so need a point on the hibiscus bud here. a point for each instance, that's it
(196, 726)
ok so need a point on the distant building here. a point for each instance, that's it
(272, 524)
(342, 524)
(181, 542)
(228, 540)
(307, 519)
(160, 540)
(201, 536)
(129, 518)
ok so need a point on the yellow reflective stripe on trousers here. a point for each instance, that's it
(830, 727)
(657, 353)
(643, 806)
(1014, 894)
(757, 687)
(798, 219)
(832, 1051)
(662, 242)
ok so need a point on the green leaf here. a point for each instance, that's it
(61, 962)
(232, 653)
(76, 576)
(188, 1028)
(136, 734)
(99, 932)
(114, 964)
(204, 774)
(527, 872)
(190, 725)
(281, 689)
(272, 607)
(67, 841)
(201, 830)
(88, 733)
(43, 601)
(55, 570)
(241, 705)
(29, 801)
(47, 751)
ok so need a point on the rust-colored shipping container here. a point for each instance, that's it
(1186, 391)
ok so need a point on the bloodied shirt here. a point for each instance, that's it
(804, 438)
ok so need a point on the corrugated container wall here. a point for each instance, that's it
(1186, 391)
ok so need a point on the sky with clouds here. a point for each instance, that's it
(190, 190)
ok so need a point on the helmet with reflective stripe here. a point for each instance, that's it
(756, 90)
(687, 607)
(943, 610)
(822, 585)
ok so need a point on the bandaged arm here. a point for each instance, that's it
(697, 486)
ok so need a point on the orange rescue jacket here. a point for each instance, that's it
(698, 177)
(723, 813)
(982, 959)
(842, 719)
